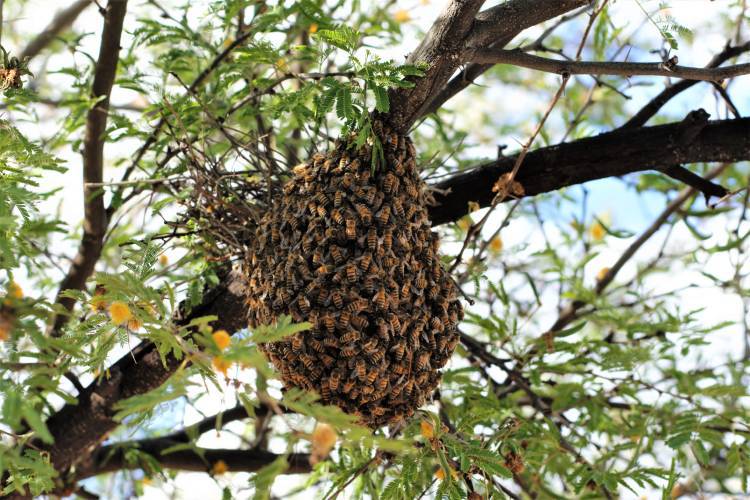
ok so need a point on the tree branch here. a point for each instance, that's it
(61, 22)
(95, 219)
(111, 458)
(495, 28)
(611, 154)
(519, 58)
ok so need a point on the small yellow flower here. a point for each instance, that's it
(427, 430)
(222, 339)
(221, 365)
(164, 260)
(597, 231)
(119, 313)
(602, 273)
(134, 325)
(464, 223)
(313, 28)
(440, 473)
(281, 65)
(219, 467)
(15, 290)
(323, 440)
(229, 41)
(401, 16)
(496, 245)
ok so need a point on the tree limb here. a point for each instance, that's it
(611, 154)
(95, 219)
(61, 22)
(519, 58)
(111, 458)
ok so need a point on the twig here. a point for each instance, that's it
(522, 59)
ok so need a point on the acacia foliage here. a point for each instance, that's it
(628, 396)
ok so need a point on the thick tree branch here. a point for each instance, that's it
(112, 458)
(607, 155)
(95, 219)
(439, 50)
(495, 28)
(519, 58)
(61, 22)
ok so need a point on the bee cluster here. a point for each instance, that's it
(353, 253)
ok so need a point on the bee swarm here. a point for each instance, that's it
(353, 253)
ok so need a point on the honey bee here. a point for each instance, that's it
(358, 305)
(423, 361)
(364, 261)
(304, 305)
(337, 299)
(338, 198)
(383, 330)
(382, 384)
(371, 376)
(452, 343)
(433, 292)
(369, 285)
(422, 378)
(398, 369)
(393, 140)
(324, 269)
(346, 180)
(387, 239)
(322, 199)
(436, 324)
(325, 392)
(442, 343)
(333, 380)
(351, 272)
(308, 361)
(383, 215)
(372, 238)
(395, 323)
(321, 211)
(413, 193)
(348, 386)
(329, 323)
(317, 256)
(349, 351)
(316, 345)
(338, 257)
(380, 299)
(351, 229)
(366, 391)
(275, 235)
(297, 343)
(336, 216)
(360, 370)
(421, 281)
(307, 245)
(327, 360)
(359, 322)
(364, 214)
(398, 350)
(389, 183)
(323, 296)
(364, 176)
(409, 388)
(289, 188)
(398, 207)
(331, 342)
(350, 336)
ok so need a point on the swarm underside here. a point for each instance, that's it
(352, 252)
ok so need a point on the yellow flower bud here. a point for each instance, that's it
(219, 467)
(222, 339)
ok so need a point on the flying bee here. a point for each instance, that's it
(337, 299)
(364, 261)
(351, 229)
(338, 198)
(304, 305)
(380, 300)
(383, 215)
(350, 336)
(372, 238)
(360, 370)
(423, 361)
(336, 216)
(351, 272)
(338, 257)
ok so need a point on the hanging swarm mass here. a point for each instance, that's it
(353, 253)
